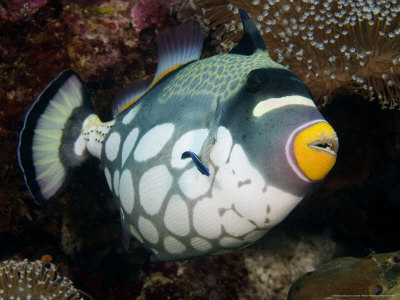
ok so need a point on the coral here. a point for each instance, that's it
(107, 39)
(16, 10)
(105, 42)
(275, 262)
(335, 47)
(352, 278)
(103, 38)
(34, 280)
(263, 271)
(218, 277)
(149, 13)
(81, 230)
(96, 38)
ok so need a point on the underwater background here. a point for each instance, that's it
(355, 211)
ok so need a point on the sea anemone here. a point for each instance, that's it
(34, 280)
(335, 47)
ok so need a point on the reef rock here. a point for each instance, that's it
(372, 277)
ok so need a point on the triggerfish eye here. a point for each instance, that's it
(314, 146)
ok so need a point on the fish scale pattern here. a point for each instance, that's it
(173, 209)
(220, 76)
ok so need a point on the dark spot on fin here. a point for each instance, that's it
(251, 39)
(196, 160)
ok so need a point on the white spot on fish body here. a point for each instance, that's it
(94, 132)
(200, 244)
(80, 146)
(128, 145)
(155, 251)
(126, 191)
(222, 148)
(94, 146)
(148, 230)
(135, 233)
(255, 235)
(236, 225)
(194, 184)
(176, 217)
(190, 141)
(228, 242)
(131, 114)
(266, 106)
(116, 182)
(206, 218)
(153, 141)
(243, 186)
(173, 246)
(153, 187)
(281, 204)
(112, 146)
(108, 178)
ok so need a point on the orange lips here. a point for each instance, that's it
(315, 149)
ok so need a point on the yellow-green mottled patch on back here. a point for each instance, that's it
(220, 76)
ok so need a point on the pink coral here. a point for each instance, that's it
(147, 13)
(15, 10)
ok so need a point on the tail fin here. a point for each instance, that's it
(47, 145)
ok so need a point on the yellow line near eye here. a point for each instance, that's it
(315, 150)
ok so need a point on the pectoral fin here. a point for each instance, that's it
(211, 138)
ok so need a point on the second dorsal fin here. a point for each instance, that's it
(129, 93)
(176, 46)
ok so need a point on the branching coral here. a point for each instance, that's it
(335, 47)
(34, 280)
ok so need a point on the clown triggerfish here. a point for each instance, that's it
(204, 159)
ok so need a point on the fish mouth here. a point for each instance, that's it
(329, 145)
(312, 150)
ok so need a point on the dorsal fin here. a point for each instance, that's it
(251, 39)
(128, 93)
(176, 46)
